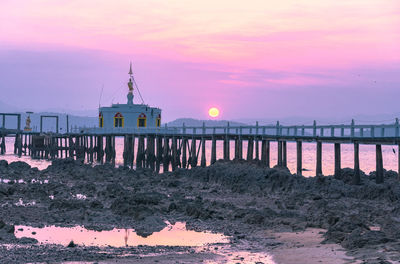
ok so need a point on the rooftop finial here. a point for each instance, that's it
(130, 69)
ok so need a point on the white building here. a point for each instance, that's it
(129, 115)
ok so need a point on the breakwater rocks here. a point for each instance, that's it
(237, 198)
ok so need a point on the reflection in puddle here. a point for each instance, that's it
(172, 235)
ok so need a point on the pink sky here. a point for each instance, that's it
(249, 58)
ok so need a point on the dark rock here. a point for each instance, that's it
(71, 244)
(19, 165)
(359, 238)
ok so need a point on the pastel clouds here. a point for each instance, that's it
(229, 49)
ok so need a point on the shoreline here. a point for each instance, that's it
(261, 209)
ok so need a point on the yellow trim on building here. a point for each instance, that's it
(101, 121)
(118, 120)
(142, 118)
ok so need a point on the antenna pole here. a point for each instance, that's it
(134, 81)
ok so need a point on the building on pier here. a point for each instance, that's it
(129, 115)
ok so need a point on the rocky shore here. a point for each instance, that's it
(237, 198)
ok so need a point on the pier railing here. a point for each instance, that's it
(321, 131)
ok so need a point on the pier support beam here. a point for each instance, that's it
(299, 157)
(226, 148)
(108, 149)
(3, 145)
(250, 149)
(379, 164)
(203, 152)
(184, 152)
(284, 154)
(236, 148)
(398, 162)
(159, 153)
(280, 162)
(338, 168)
(174, 153)
(356, 176)
(257, 154)
(100, 151)
(166, 157)
(128, 151)
(213, 150)
(318, 171)
(151, 154)
(140, 154)
(193, 154)
(265, 152)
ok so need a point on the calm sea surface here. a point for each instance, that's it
(367, 156)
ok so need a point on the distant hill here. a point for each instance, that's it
(190, 122)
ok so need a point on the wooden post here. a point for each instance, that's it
(71, 146)
(166, 159)
(398, 161)
(125, 154)
(284, 154)
(240, 147)
(3, 145)
(184, 152)
(356, 176)
(20, 145)
(140, 159)
(203, 152)
(213, 150)
(66, 150)
(338, 173)
(159, 153)
(318, 170)
(267, 154)
(263, 151)
(108, 149)
(30, 145)
(113, 153)
(379, 164)
(16, 144)
(91, 149)
(174, 153)
(25, 145)
(193, 154)
(100, 150)
(299, 158)
(67, 124)
(151, 152)
(280, 153)
(236, 148)
(257, 153)
(250, 149)
(226, 148)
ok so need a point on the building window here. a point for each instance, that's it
(158, 121)
(101, 120)
(118, 120)
(142, 120)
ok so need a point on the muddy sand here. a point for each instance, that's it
(262, 212)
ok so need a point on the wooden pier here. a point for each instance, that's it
(184, 147)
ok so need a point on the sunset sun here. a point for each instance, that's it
(213, 112)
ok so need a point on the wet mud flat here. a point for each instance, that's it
(246, 202)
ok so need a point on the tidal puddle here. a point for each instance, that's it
(171, 235)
